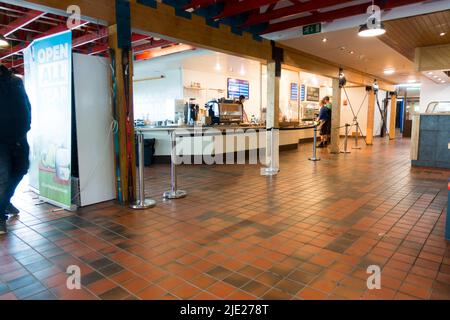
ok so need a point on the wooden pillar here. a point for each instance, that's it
(122, 87)
(273, 118)
(370, 117)
(336, 117)
(393, 116)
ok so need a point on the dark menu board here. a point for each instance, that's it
(294, 91)
(313, 94)
(237, 88)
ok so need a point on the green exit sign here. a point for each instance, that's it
(312, 29)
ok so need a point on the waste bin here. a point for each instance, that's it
(149, 151)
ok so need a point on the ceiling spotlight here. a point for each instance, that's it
(442, 34)
(435, 77)
(352, 52)
(439, 79)
(389, 71)
(324, 40)
(442, 81)
(3, 42)
(430, 73)
(366, 32)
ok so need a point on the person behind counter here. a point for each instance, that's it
(241, 102)
(325, 122)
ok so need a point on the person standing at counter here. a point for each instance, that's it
(325, 123)
(241, 102)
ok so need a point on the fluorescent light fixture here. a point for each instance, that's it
(3, 42)
(366, 32)
(389, 71)
(409, 85)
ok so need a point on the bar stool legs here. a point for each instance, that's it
(142, 203)
(174, 193)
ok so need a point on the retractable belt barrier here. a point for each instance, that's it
(141, 202)
(174, 193)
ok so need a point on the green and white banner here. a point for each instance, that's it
(48, 78)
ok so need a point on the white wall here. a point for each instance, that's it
(155, 99)
(212, 80)
(357, 98)
(94, 134)
(288, 108)
(431, 92)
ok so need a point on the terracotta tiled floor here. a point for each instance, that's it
(309, 233)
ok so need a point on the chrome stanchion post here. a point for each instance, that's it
(273, 168)
(314, 157)
(356, 135)
(347, 126)
(141, 202)
(174, 193)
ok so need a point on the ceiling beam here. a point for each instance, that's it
(91, 37)
(151, 45)
(335, 14)
(198, 4)
(311, 5)
(21, 47)
(243, 6)
(29, 17)
(103, 47)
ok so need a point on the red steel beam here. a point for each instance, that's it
(91, 37)
(19, 48)
(29, 17)
(243, 6)
(198, 4)
(311, 5)
(151, 45)
(336, 14)
(102, 47)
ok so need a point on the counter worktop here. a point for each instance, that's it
(218, 127)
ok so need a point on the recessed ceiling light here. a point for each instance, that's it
(439, 79)
(389, 71)
(430, 73)
(411, 81)
(435, 77)
(352, 52)
(324, 40)
(442, 81)
(442, 34)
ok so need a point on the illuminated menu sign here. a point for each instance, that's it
(237, 88)
(294, 91)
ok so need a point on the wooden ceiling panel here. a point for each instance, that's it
(405, 35)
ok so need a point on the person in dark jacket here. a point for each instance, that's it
(15, 122)
(324, 123)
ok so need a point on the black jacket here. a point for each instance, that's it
(15, 108)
